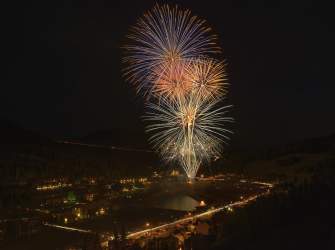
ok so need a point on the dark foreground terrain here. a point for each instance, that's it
(112, 192)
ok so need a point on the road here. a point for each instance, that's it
(229, 207)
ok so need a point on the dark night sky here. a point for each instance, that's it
(63, 71)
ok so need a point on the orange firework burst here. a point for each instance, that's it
(208, 77)
(204, 76)
(171, 80)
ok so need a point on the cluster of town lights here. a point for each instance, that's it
(133, 180)
(53, 186)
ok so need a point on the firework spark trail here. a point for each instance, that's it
(168, 61)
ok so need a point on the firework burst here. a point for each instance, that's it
(164, 35)
(207, 77)
(168, 60)
(172, 80)
(190, 131)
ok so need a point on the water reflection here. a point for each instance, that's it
(179, 202)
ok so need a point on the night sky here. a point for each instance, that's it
(63, 67)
